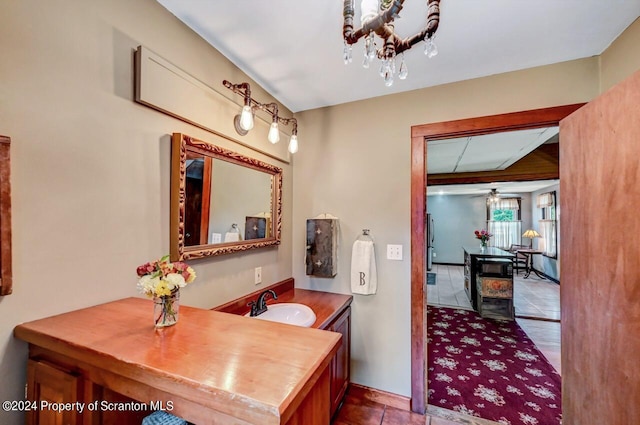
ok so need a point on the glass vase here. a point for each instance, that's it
(165, 309)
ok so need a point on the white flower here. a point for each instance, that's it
(147, 284)
(175, 280)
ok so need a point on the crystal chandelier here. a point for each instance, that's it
(377, 18)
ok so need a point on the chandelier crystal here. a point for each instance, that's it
(377, 18)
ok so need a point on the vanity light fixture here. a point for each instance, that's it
(244, 121)
(377, 18)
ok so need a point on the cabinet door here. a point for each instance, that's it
(340, 365)
(46, 383)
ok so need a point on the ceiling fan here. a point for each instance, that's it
(494, 195)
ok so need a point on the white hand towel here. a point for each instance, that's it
(231, 237)
(364, 277)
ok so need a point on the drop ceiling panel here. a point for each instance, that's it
(484, 153)
(443, 155)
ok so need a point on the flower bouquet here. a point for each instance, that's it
(484, 237)
(162, 280)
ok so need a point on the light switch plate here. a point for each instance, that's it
(258, 275)
(394, 252)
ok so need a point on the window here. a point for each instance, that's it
(548, 224)
(503, 222)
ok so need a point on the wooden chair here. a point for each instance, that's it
(520, 260)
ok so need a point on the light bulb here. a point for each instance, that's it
(293, 143)
(274, 133)
(246, 118)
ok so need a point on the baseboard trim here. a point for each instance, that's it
(552, 279)
(379, 396)
(544, 319)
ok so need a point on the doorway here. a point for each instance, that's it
(420, 136)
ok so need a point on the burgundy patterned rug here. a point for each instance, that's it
(489, 369)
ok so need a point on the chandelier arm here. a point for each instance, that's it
(375, 24)
(433, 21)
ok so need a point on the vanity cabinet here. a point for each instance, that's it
(113, 367)
(333, 313)
(49, 383)
(340, 364)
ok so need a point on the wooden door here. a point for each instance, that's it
(600, 252)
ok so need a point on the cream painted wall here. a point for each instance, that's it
(355, 164)
(622, 58)
(90, 171)
(91, 168)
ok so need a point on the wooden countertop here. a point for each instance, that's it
(255, 370)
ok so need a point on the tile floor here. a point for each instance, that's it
(532, 297)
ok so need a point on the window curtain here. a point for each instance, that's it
(506, 204)
(547, 243)
(505, 233)
(545, 200)
(548, 231)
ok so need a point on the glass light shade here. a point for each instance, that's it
(293, 143)
(246, 118)
(531, 234)
(274, 133)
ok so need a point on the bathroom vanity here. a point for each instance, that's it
(210, 368)
(333, 313)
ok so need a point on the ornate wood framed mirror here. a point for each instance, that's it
(221, 201)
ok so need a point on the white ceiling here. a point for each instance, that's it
(293, 48)
(482, 189)
(488, 152)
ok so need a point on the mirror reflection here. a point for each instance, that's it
(221, 201)
(225, 202)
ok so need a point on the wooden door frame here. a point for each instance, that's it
(420, 136)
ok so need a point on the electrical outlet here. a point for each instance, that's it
(434, 254)
(258, 277)
(394, 252)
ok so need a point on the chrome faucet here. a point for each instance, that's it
(260, 305)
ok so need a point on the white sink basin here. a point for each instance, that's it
(291, 313)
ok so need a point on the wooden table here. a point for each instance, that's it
(529, 253)
(213, 367)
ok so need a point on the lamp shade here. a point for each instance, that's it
(530, 233)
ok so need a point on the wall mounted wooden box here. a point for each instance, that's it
(322, 247)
